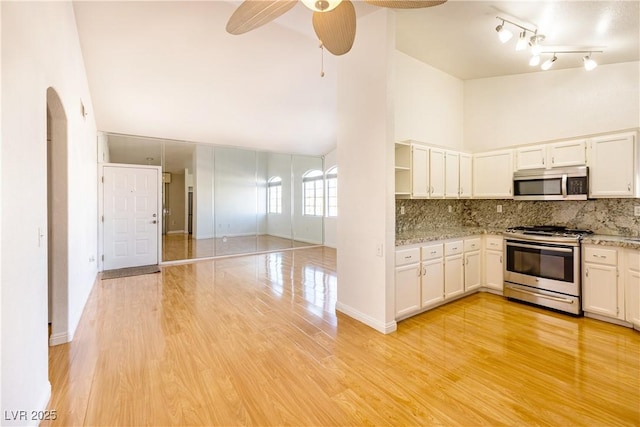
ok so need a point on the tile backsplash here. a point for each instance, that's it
(602, 216)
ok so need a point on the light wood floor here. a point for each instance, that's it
(255, 340)
(184, 246)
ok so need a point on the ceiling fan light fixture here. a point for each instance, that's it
(503, 34)
(321, 5)
(589, 64)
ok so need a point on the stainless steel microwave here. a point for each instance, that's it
(551, 184)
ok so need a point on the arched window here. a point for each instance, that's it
(274, 193)
(312, 192)
(331, 180)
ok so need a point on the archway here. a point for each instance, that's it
(57, 219)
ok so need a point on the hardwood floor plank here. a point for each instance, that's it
(255, 340)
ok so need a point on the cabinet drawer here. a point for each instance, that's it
(600, 255)
(494, 243)
(633, 260)
(472, 244)
(407, 256)
(432, 252)
(453, 248)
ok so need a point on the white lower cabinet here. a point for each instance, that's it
(632, 287)
(407, 277)
(453, 269)
(602, 292)
(472, 265)
(432, 280)
(493, 267)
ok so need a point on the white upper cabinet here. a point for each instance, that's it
(531, 157)
(568, 153)
(613, 166)
(555, 155)
(437, 173)
(493, 175)
(466, 178)
(403, 169)
(419, 171)
(452, 174)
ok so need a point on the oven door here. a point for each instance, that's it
(549, 266)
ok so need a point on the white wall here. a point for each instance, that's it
(366, 155)
(429, 104)
(331, 224)
(536, 107)
(43, 52)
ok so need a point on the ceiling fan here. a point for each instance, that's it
(334, 21)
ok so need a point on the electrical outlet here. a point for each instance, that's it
(450, 209)
(499, 208)
(636, 210)
(379, 250)
(402, 212)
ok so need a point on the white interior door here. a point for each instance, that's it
(130, 216)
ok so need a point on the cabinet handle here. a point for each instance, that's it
(586, 272)
(543, 160)
(424, 271)
(500, 259)
(629, 187)
(433, 252)
(553, 160)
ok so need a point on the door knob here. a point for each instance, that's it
(154, 222)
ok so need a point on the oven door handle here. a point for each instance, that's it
(565, 300)
(564, 186)
(547, 248)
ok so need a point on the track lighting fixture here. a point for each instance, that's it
(503, 34)
(534, 61)
(549, 62)
(589, 64)
(537, 48)
(522, 41)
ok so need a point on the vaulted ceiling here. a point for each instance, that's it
(169, 70)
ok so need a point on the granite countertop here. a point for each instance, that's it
(442, 233)
(429, 235)
(606, 240)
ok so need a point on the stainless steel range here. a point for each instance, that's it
(543, 266)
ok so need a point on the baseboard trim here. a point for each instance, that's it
(59, 338)
(385, 328)
(176, 232)
(608, 319)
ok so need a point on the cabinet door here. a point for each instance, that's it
(632, 297)
(472, 270)
(570, 153)
(494, 270)
(407, 289)
(432, 282)
(531, 157)
(632, 290)
(452, 175)
(611, 166)
(419, 171)
(436, 175)
(600, 290)
(493, 175)
(453, 276)
(465, 175)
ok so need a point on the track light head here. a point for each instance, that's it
(503, 34)
(549, 63)
(534, 42)
(534, 61)
(589, 64)
(522, 41)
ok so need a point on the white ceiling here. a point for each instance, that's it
(169, 70)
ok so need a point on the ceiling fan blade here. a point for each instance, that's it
(252, 14)
(405, 4)
(336, 29)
